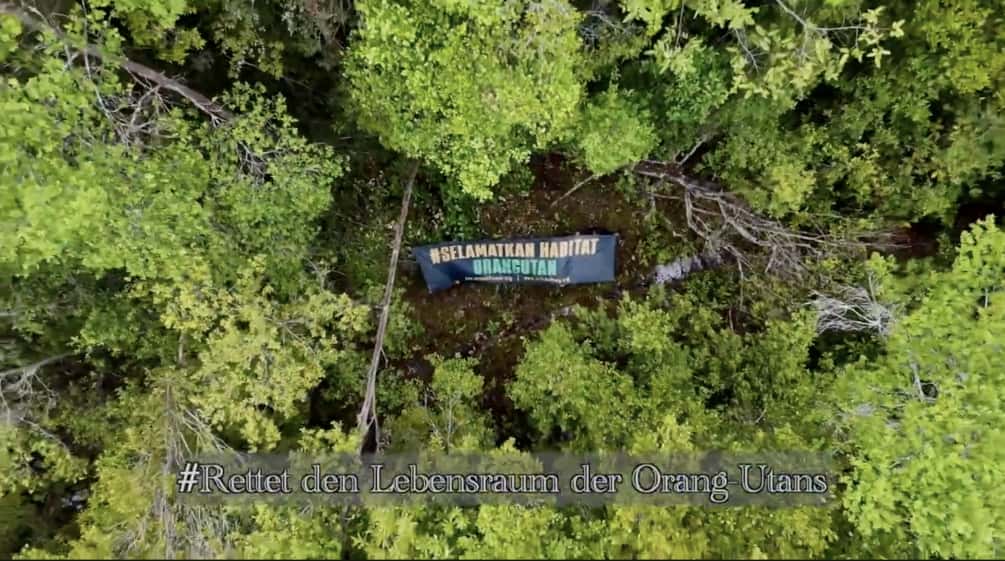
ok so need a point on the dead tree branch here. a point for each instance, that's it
(22, 391)
(810, 26)
(368, 412)
(22, 383)
(727, 225)
(216, 113)
(853, 309)
(741, 39)
(32, 369)
(329, 17)
(698, 144)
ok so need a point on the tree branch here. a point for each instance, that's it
(853, 308)
(728, 225)
(30, 369)
(810, 25)
(135, 69)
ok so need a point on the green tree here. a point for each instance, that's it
(470, 88)
(180, 275)
(923, 422)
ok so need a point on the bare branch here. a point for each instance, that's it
(32, 368)
(701, 141)
(135, 69)
(853, 309)
(741, 39)
(20, 383)
(810, 26)
(918, 386)
(728, 225)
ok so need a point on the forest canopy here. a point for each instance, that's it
(207, 207)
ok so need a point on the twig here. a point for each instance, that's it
(917, 383)
(367, 413)
(680, 24)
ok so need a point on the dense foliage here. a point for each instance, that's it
(196, 206)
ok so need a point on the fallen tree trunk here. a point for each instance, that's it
(680, 268)
(367, 417)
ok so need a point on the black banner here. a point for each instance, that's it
(561, 261)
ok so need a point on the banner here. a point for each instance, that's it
(561, 261)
